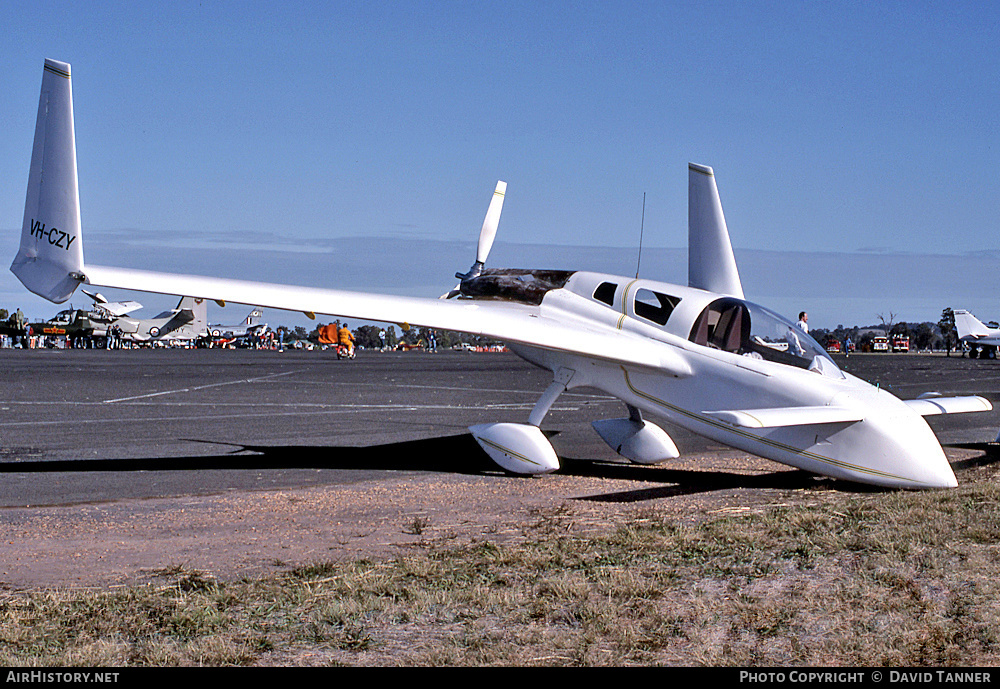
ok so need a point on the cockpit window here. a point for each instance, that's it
(654, 306)
(725, 325)
(752, 331)
(605, 292)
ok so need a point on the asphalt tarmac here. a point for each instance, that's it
(126, 467)
(92, 425)
(88, 426)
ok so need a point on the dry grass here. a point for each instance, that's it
(871, 579)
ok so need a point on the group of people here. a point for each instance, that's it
(114, 337)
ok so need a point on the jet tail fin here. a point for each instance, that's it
(50, 259)
(711, 264)
(252, 318)
(968, 325)
(190, 309)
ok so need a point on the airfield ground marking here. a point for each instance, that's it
(323, 408)
(374, 385)
(333, 409)
(386, 384)
(198, 387)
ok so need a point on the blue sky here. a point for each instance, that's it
(847, 128)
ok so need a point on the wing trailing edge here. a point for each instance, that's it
(50, 263)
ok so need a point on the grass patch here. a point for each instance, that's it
(872, 579)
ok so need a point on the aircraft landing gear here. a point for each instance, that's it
(982, 351)
(523, 448)
(636, 439)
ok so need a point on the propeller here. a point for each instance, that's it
(487, 234)
(486, 237)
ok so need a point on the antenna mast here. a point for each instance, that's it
(642, 225)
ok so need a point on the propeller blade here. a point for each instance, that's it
(488, 233)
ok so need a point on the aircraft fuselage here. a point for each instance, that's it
(898, 446)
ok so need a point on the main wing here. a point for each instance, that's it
(538, 326)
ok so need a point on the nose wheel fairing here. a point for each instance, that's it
(636, 439)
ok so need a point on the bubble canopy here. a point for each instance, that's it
(748, 329)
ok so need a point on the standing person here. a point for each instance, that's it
(803, 322)
(381, 337)
(19, 326)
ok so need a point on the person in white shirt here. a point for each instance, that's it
(803, 322)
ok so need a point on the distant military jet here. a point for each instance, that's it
(186, 322)
(83, 323)
(250, 324)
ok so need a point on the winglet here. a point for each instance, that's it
(50, 259)
(711, 264)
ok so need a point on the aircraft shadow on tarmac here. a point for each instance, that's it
(990, 450)
(457, 454)
(460, 454)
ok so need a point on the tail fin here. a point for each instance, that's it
(201, 312)
(196, 308)
(252, 318)
(968, 325)
(711, 264)
(50, 259)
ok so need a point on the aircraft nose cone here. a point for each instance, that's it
(897, 447)
(909, 451)
(928, 467)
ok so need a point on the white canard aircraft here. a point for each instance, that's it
(981, 338)
(699, 356)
